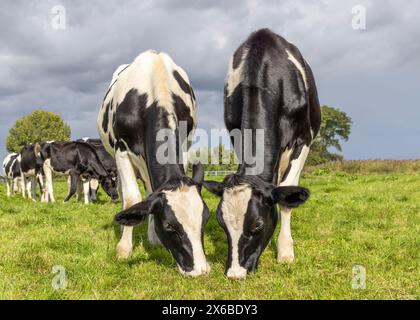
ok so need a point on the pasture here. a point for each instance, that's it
(369, 219)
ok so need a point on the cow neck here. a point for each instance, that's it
(159, 173)
(271, 151)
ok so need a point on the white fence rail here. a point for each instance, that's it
(218, 173)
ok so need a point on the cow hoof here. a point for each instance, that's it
(285, 252)
(154, 241)
(285, 259)
(123, 253)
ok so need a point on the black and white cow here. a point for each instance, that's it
(31, 171)
(150, 96)
(269, 86)
(108, 162)
(77, 159)
(12, 174)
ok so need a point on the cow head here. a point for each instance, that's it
(110, 186)
(247, 212)
(180, 215)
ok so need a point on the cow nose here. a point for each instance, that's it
(198, 271)
(236, 273)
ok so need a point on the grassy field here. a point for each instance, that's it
(370, 220)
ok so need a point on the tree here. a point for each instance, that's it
(335, 126)
(38, 126)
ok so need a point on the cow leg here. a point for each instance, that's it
(72, 183)
(49, 192)
(33, 184)
(41, 186)
(79, 189)
(93, 185)
(86, 190)
(9, 185)
(130, 196)
(22, 185)
(285, 252)
(29, 187)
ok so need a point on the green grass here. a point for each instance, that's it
(370, 220)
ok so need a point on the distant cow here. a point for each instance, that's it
(268, 86)
(145, 98)
(12, 174)
(108, 162)
(77, 159)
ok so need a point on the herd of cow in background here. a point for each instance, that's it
(85, 162)
(268, 86)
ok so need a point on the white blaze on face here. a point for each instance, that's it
(299, 67)
(234, 207)
(187, 206)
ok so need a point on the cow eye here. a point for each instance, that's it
(168, 227)
(257, 226)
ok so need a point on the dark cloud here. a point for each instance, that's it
(372, 74)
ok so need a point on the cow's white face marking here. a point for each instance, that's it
(234, 207)
(234, 76)
(187, 206)
(299, 67)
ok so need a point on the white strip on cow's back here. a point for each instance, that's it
(234, 76)
(299, 67)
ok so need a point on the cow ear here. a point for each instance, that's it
(290, 196)
(138, 212)
(198, 173)
(214, 187)
(37, 148)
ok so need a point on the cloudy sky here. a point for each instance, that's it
(372, 74)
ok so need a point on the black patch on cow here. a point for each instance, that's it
(106, 117)
(130, 121)
(184, 86)
(237, 56)
(12, 171)
(111, 141)
(183, 112)
(182, 83)
(120, 146)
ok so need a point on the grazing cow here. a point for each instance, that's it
(150, 96)
(12, 173)
(269, 86)
(31, 171)
(107, 160)
(75, 159)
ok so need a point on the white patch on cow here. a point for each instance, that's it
(187, 206)
(284, 163)
(234, 207)
(49, 192)
(234, 76)
(94, 184)
(299, 67)
(296, 167)
(285, 252)
(86, 189)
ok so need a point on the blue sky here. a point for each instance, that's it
(371, 74)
